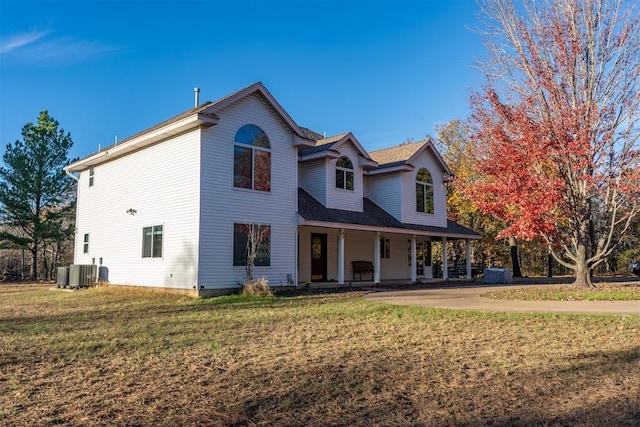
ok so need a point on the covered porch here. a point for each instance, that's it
(353, 254)
(340, 246)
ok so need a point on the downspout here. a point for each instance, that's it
(71, 175)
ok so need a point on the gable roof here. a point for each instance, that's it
(202, 115)
(405, 155)
(399, 153)
(311, 134)
(259, 88)
(329, 147)
(372, 217)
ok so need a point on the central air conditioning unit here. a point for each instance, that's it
(82, 275)
(62, 279)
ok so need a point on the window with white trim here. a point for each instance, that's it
(85, 244)
(252, 159)
(152, 241)
(344, 173)
(424, 191)
(91, 176)
(247, 235)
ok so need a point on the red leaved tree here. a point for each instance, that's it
(556, 126)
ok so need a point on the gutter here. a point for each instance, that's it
(71, 175)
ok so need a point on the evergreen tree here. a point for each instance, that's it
(35, 192)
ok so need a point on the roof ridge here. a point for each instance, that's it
(185, 113)
(331, 139)
(402, 144)
(398, 153)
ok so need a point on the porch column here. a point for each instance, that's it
(414, 275)
(445, 266)
(341, 257)
(376, 258)
(468, 255)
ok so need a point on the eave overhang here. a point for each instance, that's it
(327, 154)
(186, 124)
(300, 142)
(407, 229)
(397, 168)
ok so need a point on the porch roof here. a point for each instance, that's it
(373, 218)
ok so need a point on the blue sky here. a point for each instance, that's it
(384, 70)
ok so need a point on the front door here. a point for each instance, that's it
(318, 257)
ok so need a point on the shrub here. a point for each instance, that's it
(257, 287)
(626, 258)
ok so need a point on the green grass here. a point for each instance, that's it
(627, 292)
(122, 357)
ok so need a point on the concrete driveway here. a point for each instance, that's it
(469, 298)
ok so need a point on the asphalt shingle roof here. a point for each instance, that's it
(372, 215)
(311, 134)
(311, 209)
(323, 144)
(398, 154)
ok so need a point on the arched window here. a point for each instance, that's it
(424, 191)
(252, 159)
(344, 173)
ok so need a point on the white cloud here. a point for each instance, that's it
(45, 46)
(21, 40)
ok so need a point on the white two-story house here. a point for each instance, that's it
(172, 206)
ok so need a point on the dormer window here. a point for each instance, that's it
(424, 191)
(344, 173)
(252, 159)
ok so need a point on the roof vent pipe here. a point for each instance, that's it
(197, 93)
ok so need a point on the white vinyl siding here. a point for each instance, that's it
(386, 191)
(358, 246)
(313, 177)
(222, 205)
(339, 198)
(155, 186)
(409, 213)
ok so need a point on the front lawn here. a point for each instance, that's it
(602, 292)
(114, 357)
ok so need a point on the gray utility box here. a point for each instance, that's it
(497, 275)
(82, 275)
(63, 277)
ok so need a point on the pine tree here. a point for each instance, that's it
(35, 192)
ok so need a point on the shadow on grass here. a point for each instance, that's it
(333, 392)
(381, 380)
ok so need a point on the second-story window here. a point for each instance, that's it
(424, 191)
(344, 173)
(91, 176)
(252, 159)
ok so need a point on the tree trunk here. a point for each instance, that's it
(583, 272)
(34, 262)
(583, 277)
(45, 263)
(24, 265)
(549, 265)
(515, 262)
